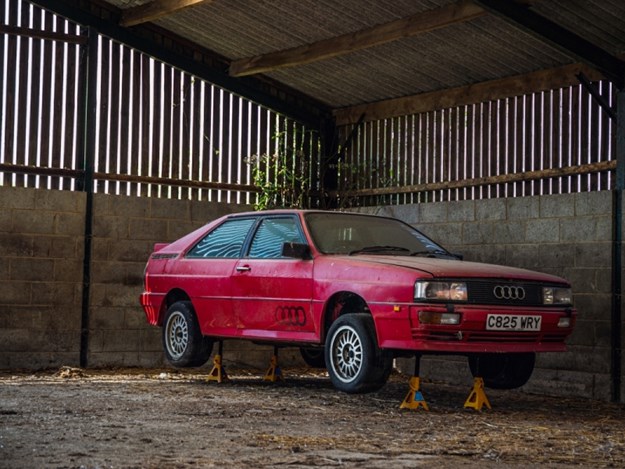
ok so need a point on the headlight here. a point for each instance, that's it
(557, 296)
(442, 291)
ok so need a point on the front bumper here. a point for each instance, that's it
(471, 335)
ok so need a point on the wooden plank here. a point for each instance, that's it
(36, 33)
(7, 153)
(488, 180)
(72, 153)
(185, 148)
(471, 94)
(126, 106)
(57, 111)
(413, 25)
(566, 126)
(146, 147)
(135, 155)
(127, 178)
(196, 120)
(154, 10)
(23, 129)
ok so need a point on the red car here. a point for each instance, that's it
(352, 291)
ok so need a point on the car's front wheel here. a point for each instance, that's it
(354, 361)
(503, 370)
(183, 342)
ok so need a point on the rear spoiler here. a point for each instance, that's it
(159, 246)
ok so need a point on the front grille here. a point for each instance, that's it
(484, 292)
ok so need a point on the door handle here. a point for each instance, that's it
(243, 268)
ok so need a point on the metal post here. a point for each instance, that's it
(617, 251)
(89, 64)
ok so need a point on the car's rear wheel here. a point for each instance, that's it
(313, 357)
(503, 370)
(183, 342)
(354, 361)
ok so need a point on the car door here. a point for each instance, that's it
(207, 270)
(272, 294)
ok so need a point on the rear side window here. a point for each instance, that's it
(271, 235)
(224, 241)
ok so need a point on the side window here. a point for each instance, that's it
(224, 241)
(271, 235)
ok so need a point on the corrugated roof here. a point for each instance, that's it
(482, 49)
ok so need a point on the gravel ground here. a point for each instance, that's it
(144, 418)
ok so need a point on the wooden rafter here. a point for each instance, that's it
(461, 11)
(154, 10)
(479, 92)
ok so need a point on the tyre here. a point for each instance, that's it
(183, 342)
(503, 370)
(314, 357)
(354, 361)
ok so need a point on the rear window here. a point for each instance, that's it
(225, 241)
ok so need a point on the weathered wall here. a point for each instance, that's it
(41, 262)
(41, 254)
(566, 235)
(124, 232)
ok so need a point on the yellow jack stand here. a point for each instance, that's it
(218, 373)
(477, 398)
(274, 373)
(414, 398)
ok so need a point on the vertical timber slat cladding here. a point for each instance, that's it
(584, 136)
(185, 149)
(502, 149)
(22, 93)
(215, 132)
(594, 119)
(566, 121)
(114, 135)
(471, 152)
(604, 140)
(136, 154)
(58, 107)
(11, 98)
(71, 100)
(195, 145)
(36, 86)
(146, 148)
(167, 160)
(47, 116)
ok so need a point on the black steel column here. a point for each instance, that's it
(617, 251)
(89, 67)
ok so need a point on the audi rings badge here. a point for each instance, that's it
(509, 292)
(291, 315)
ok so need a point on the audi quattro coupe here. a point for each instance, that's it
(352, 291)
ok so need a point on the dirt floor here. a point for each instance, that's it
(129, 418)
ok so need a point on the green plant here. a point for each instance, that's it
(284, 176)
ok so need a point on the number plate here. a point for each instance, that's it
(509, 322)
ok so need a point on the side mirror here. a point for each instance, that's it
(296, 250)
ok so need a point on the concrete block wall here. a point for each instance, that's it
(566, 235)
(41, 266)
(124, 232)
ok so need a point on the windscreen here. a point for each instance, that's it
(342, 233)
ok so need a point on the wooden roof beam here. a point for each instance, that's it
(154, 10)
(463, 10)
(518, 85)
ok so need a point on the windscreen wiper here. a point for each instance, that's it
(378, 249)
(433, 253)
